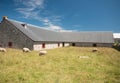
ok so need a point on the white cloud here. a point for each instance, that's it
(51, 26)
(32, 9)
(46, 21)
(31, 3)
(25, 9)
(54, 27)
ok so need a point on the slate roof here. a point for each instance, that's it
(93, 36)
(39, 34)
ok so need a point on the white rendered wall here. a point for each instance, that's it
(67, 44)
(38, 47)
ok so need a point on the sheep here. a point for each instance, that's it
(26, 50)
(94, 50)
(83, 56)
(3, 49)
(42, 52)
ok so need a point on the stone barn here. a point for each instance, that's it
(90, 39)
(15, 34)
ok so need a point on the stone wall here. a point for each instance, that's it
(10, 36)
(92, 44)
(105, 45)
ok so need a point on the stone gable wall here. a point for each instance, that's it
(9, 33)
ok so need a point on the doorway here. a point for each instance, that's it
(73, 44)
(43, 45)
(63, 44)
(58, 44)
(94, 45)
(10, 44)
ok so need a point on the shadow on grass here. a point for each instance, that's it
(117, 47)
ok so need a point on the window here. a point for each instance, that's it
(43, 45)
(10, 44)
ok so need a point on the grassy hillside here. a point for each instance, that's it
(62, 65)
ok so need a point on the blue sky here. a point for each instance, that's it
(75, 15)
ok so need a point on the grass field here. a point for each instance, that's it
(61, 65)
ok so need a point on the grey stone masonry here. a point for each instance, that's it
(10, 36)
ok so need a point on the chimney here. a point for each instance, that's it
(24, 25)
(5, 17)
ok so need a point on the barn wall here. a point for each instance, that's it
(83, 44)
(67, 44)
(48, 45)
(9, 33)
(92, 44)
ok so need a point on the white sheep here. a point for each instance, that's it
(42, 52)
(3, 49)
(26, 50)
(94, 50)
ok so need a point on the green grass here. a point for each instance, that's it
(62, 65)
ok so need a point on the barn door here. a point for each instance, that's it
(10, 44)
(73, 44)
(58, 44)
(43, 45)
(94, 45)
(63, 44)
